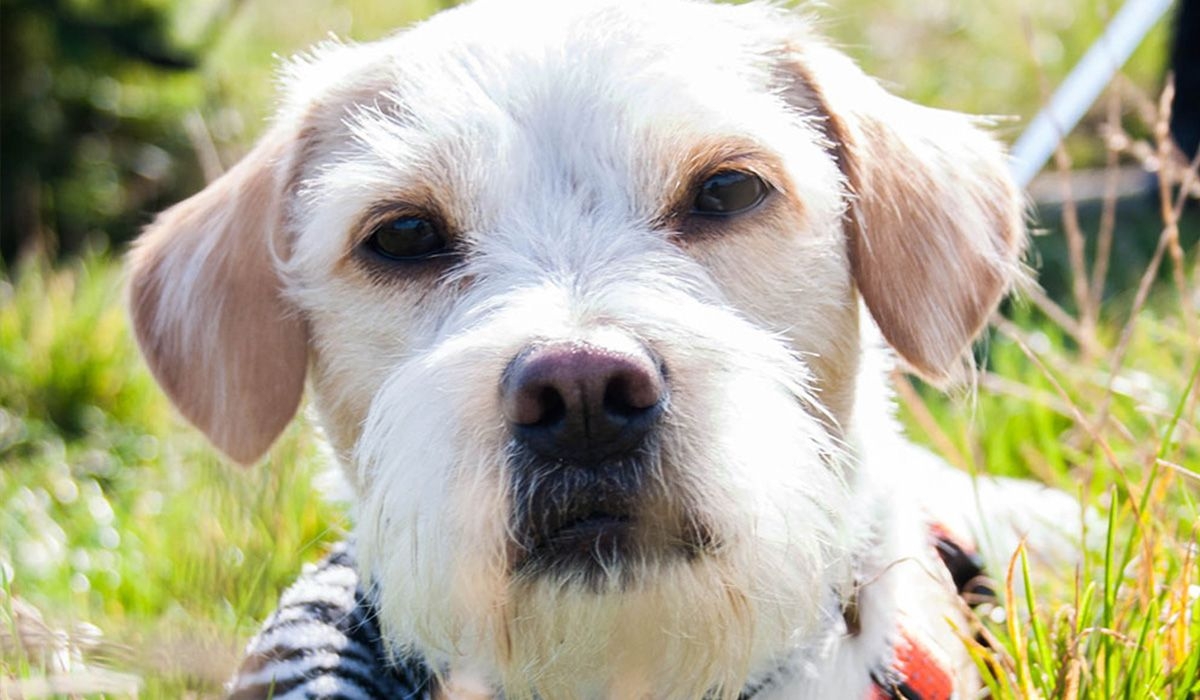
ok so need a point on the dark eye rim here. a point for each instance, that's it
(766, 190)
(370, 248)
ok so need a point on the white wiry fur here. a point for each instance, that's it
(557, 141)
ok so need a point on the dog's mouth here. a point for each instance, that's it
(587, 537)
(595, 532)
(599, 525)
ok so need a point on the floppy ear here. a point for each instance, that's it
(934, 222)
(208, 308)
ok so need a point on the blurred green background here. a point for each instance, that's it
(121, 527)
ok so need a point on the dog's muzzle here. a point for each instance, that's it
(583, 419)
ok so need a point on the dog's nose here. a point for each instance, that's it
(582, 402)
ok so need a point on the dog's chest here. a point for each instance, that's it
(325, 638)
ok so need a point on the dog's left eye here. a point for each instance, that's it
(407, 238)
(729, 192)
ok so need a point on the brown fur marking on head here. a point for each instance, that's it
(208, 308)
(934, 222)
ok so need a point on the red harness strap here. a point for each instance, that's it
(916, 673)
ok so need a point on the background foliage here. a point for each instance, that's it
(93, 98)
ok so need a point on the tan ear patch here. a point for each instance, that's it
(209, 312)
(934, 223)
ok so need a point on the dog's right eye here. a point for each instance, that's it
(407, 239)
(729, 192)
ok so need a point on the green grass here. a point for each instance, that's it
(114, 513)
(1125, 623)
(1109, 413)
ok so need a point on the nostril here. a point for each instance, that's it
(553, 408)
(615, 403)
(629, 394)
(535, 405)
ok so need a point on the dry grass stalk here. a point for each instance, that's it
(1171, 210)
(1108, 215)
(1009, 330)
(65, 659)
(1168, 155)
(1075, 251)
(1064, 320)
(920, 411)
(201, 139)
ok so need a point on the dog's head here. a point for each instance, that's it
(576, 287)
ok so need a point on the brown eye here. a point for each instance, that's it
(407, 239)
(729, 192)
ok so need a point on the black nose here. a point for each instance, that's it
(581, 402)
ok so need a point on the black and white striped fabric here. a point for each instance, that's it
(324, 642)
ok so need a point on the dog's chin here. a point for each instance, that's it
(584, 545)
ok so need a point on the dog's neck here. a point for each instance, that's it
(864, 637)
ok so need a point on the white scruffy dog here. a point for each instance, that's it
(587, 295)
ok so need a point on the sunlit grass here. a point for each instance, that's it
(1103, 402)
(114, 514)
(1126, 623)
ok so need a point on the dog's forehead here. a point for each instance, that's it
(603, 101)
(521, 57)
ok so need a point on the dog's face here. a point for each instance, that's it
(578, 301)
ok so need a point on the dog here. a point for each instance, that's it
(597, 303)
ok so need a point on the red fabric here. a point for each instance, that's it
(915, 673)
(919, 675)
(922, 672)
